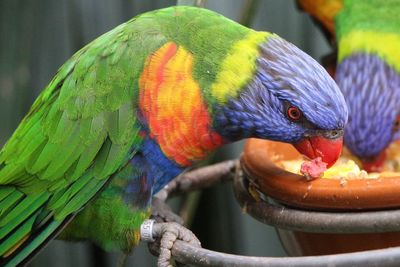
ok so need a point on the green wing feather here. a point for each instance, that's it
(80, 130)
(83, 127)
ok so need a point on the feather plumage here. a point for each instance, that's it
(131, 110)
(368, 74)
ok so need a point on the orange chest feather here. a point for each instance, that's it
(172, 104)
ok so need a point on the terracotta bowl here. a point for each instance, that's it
(259, 160)
(258, 163)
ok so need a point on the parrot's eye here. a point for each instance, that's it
(396, 125)
(294, 113)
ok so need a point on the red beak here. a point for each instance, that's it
(318, 146)
(376, 164)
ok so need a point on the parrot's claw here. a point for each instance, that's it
(169, 233)
(161, 212)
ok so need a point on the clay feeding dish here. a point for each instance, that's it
(260, 162)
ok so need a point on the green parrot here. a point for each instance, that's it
(138, 106)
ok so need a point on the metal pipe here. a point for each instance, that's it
(316, 221)
(286, 218)
(187, 254)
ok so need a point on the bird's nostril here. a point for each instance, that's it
(334, 134)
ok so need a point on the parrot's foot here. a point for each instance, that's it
(161, 212)
(168, 232)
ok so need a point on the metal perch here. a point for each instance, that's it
(316, 221)
(282, 217)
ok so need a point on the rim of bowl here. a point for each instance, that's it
(320, 194)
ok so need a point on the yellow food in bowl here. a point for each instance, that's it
(344, 168)
(347, 166)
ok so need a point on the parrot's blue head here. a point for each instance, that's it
(372, 90)
(292, 99)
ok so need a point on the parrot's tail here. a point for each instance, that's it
(25, 225)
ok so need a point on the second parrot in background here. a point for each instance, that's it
(367, 36)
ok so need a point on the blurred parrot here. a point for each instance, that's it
(368, 73)
(140, 104)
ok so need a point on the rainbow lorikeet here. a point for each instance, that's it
(139, 105)
(368, 73)
(367, 35)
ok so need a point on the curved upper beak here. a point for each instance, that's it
(328, 149)
(374, 164)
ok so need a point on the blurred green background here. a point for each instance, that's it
(36, 37)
